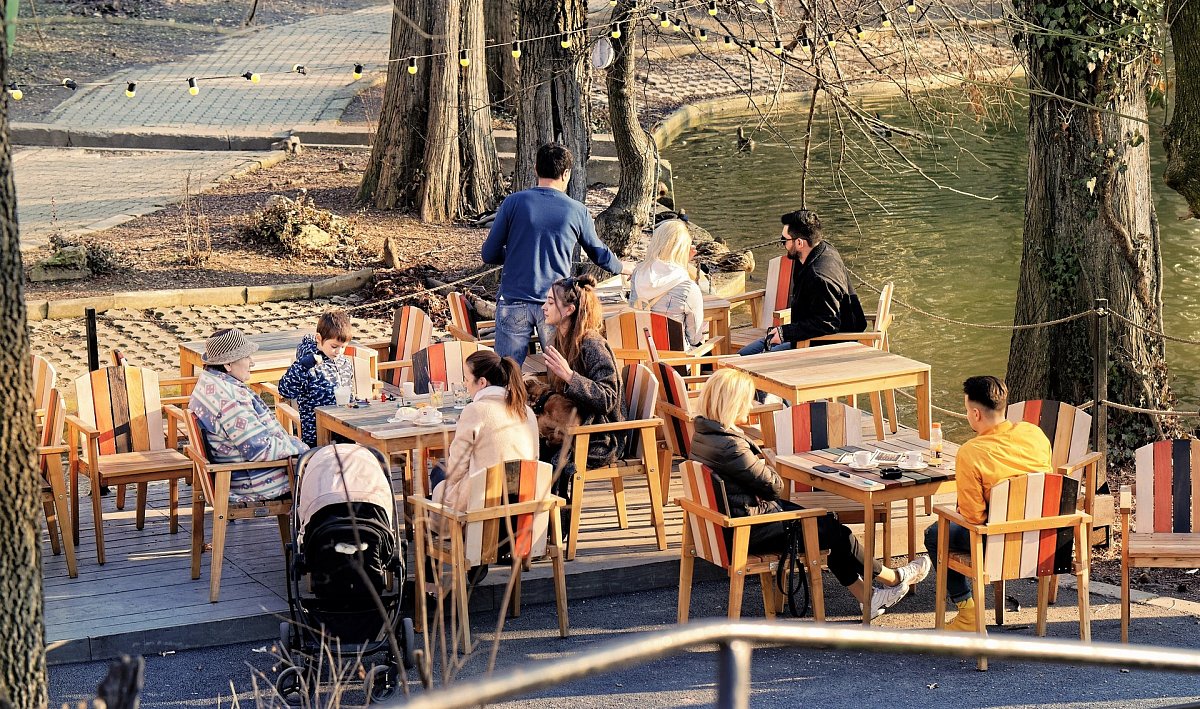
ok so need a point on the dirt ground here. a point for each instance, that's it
(87, 40)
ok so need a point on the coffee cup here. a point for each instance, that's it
(862, 459)
(430, 415)
(913, 459)
(406, 413)
(342, 395)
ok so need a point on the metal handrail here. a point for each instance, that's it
(734, 649)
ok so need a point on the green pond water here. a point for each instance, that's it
(947, 253)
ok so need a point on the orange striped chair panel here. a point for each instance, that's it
(461, 314)
(1019, 555)
(674, 392)
(701, 487)
(412, 331)
(1168, 494)
(641, 396)
(524, 481)
(814, 426)
(626, 331)
(442, 362)
(778, 291)
(123, 404)
(45, 378)
(52, 425)
(1068, 428)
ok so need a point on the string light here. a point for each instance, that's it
(911, 7)
(193, 89)
(612, 3)
(516, 50)
(15, 91)
(357, 71)
(665, 22)
(70, 84)
(754, 46)
(299, 69)
(565, 42)
(677, 24)
(131, 89)
(412, 65)
(858, 31)
(702, 34)
(804, 41)
(728, 41)
(778, 50)
(252, 77)
(654, 14)
(712, 8)
(464, 60)
(616, 32)
(884, 20)
(830, 40)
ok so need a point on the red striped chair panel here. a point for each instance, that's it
(123, 404)
(674, 392)
(363, 381)
(518, 481)
(45, 379)
(641, 398)
(52, 424)
(1068, 428)
(1020, 555)
(815, 425)
(702, 488)
(626, 331)
(412, 331)
(778, 291)
(460, 313)
(442, 362)
(1168, 494)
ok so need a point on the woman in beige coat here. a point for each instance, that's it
(496, 426)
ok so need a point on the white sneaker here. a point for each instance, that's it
(885, 597)
(915, 571)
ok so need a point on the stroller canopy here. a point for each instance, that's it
(341, 473)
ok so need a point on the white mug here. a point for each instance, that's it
(862, 458)
(913, 458)
(342, 395)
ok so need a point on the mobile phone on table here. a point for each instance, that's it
(826, 469)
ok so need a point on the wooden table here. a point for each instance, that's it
(831, 371)
(276, 352)
(716, 312)
(872, 491)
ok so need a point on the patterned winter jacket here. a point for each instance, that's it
(313, 387)
(239, 427)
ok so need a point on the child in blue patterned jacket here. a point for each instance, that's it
(321, 367)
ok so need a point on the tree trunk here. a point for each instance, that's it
(553, 103)
(502, 66)
(22, 635)
(438, 197)
(1090, 232)
(1182, 135)
(623, 221)
(480, 167)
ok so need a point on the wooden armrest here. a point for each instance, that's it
(785, 516)
(950, 514)
(761, 409)
(483, 324)
(53, 450)
(748, 295)
(394, 364)
(705, 347)
(176, 381)
(694, 509)
(377, 345)
(615, 426)
(782, 316)
(866, 338)
(699, 359)
(246, 465)
(1126, 496)
(288, 412)
(509, 509)
(272, 389)
(674, 410)
(1086, 461)
(174, 412)
(460, 334)
(176, 401)
(82, 426)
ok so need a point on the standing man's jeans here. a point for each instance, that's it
(960, 540)
(760, 346)
(515, 324)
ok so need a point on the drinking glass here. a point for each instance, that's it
(437, 394)
(460, 396)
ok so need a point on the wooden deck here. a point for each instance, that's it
(144, 601)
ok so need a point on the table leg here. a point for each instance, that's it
(924, 410)
(720, 325)
(187, 368)
(912, 529)
(869, 560)
(323, 437)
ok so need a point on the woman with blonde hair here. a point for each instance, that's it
(662, 283)
(753, 487)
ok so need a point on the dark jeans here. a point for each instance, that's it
(960, 540)
(845, 553)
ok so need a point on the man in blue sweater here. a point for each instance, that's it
(533, 237)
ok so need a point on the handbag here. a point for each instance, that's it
(790, 577)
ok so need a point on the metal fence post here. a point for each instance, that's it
(733, 675)
(93, 342)
(1100, 388)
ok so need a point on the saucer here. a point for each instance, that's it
(904, 465)
(864, 468)
(421, 421)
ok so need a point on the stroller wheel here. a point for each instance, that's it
(292, 687)
(382, 682)
(285, 638)
(410, 644)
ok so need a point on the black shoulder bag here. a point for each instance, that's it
(791, 577)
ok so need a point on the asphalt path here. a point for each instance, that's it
(782, 677)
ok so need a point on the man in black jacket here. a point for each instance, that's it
(823, 301)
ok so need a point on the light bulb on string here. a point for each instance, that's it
(911, 6)
(616, 32)
(516, 50)
(193, 87)
(702, 34)
(412, 65)
(778, 49)
(677, 24)
(804, 41)
(712, 8)
(612, 3)
(357, 74)
(754, 46)
(665, 21)
(15, 92)
(884, 20)
(830, 40)
(299, 69)
(858, 31)
(654, 14)
(728, 41)
(131, 89)
(252, 77)
(464, 60)
(70, 84)
(565, 42)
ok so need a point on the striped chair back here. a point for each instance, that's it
(703, 488)
(198, 452)
(778, 291)
(1019, 555)
(123, 404)
(674, 392)
(45, 379)
(641, 398)
(1068, 428)
(1168, 494)
(442, 362)
(627, 331)
(811, 426)
(461, 314)
(515, 481)
(52, 425)
(883, 315)
(412, 330)
(363, 382)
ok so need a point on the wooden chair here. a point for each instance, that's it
(710, 534)
(52, 479)
(45, 379)
(515, 493)
(210, 484)
(1166, 530)
(363, 383)
(675, 410)
(626, 334)
(117, 439)
(640, 456)
(769, 306)
(442, 362)
(412, 330)
(464, 324)
(1033, 522)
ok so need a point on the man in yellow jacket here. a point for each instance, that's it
(1000, 449)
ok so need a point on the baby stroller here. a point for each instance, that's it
(344, 539)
